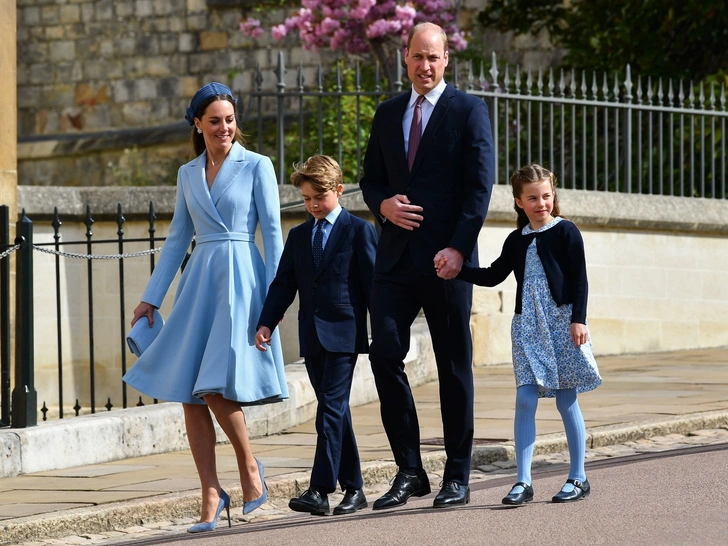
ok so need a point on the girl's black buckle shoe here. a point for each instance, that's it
(580, 491)
(516, 499)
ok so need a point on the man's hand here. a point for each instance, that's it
(448, 263)
(262, 338)
(397, 209)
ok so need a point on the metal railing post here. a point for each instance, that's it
(5, 318)
(25, 399)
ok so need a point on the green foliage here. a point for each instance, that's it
(139, 168)
(332, 123)
(664, 38)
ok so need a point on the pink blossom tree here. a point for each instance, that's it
(362, 27)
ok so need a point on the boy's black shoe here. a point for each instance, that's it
(310, 501)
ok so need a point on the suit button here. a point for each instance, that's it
(316, 310)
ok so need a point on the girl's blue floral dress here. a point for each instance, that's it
(543, 352)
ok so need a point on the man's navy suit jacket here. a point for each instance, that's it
(333, 300)
(452, 177)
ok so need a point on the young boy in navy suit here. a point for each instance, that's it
(329, 261)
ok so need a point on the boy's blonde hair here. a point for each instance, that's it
(321, 171)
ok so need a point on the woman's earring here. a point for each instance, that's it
(199, 130)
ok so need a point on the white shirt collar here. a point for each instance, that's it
(334, 215)
(432, 97)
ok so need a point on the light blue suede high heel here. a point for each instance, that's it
(249, 506)
(210, 525)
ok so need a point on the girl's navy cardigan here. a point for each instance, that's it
(561, 251)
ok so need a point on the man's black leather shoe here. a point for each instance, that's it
(310, 501)
(403, 487)
(353, 500)
(581, 490)
(451, 494)
(516, 499)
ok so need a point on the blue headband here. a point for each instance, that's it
(212, 89)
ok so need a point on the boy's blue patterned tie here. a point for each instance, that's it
(318, 243)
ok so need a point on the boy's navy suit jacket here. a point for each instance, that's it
(333, 300)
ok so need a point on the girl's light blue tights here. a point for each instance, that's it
(525, 431)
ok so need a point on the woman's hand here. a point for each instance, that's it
(144, 309)
(579, 334)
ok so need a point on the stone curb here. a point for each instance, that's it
(172, 506)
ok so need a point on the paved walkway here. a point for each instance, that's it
(681, 397)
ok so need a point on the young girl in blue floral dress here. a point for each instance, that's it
(552, 350)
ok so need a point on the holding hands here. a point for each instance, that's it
(448, 263)
(262, 338)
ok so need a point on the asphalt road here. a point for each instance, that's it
(669, 498)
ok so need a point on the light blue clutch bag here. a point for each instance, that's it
(141, 335)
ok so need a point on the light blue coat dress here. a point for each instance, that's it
(206, 345)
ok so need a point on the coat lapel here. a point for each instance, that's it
(199, 187)
(233, 166)
(336, 237)
(438, 114)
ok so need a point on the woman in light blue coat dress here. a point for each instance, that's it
(205, 356)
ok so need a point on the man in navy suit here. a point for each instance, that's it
(428, 176)
(329, 261)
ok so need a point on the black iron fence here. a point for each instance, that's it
(24, 396)
(601, 132)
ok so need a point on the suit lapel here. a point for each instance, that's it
(438, 114)
(336, 237)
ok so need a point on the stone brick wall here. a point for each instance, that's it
(98, 77)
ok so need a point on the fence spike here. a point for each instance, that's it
(88, 221)
(616, 87)
(482, 81)
(494, 71)
(712, 95)
(650, 93)
(119, 220)
(573, 84)
(506, 81)
(639, 90)
(722, 96)
(702, 96)
(517, 81)
(595, 87)
(259, 78)
(377, 82)
(539, 83)
(44, 411)
(357, 76)
(398, 67)
(281, 73)
(320, 78)
(562, 84)
(691, 95)
(584, 88)
(551, 82)
(56, 222)
(670, 94)
(108, 404)
(299, 77)
(338, 77)
(681, 95)
(660, 94)
(529, 82)
(605, 88)
(627, 84)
